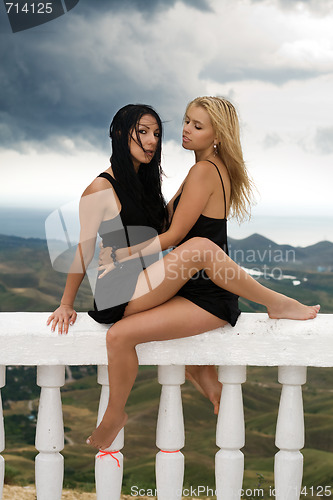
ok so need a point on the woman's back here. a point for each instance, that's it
(200, 289)
(214, 228)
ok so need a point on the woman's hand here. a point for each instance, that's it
(106, 269)
(63, 317)
(104, 257)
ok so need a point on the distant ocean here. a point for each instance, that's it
(295, 231)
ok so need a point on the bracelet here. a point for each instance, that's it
(62, 304)
(116, 263)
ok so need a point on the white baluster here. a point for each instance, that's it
(170, 435)
(108, 468)
(2, 430)
(290, 434)
(230, 434)
(49, 463)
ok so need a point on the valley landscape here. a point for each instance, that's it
(28, 283)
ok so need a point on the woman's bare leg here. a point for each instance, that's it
(205, 380)
(174, 319)
(169, 274)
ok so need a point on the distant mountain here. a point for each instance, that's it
(7, 242)
(257, 250)
(253, 251)
(28, 281)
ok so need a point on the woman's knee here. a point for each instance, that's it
(116, 337)
(206, 248)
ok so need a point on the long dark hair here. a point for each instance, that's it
(144, 186)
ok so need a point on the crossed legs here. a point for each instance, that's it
(175, 318)
(160, 315)
(162, 280)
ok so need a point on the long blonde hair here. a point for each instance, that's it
(225, 122)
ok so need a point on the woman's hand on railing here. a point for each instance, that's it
(64, 317)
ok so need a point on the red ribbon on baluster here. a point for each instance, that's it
(104, 453)
(163, 451)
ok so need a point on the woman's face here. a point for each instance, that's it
(148, 132)
(198, 132)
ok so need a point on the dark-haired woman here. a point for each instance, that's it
(166, 301)
(127, 196)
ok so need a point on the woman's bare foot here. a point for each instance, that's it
(287, 308)
(106, 432)
(204, 379)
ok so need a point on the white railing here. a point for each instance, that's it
(255, 340)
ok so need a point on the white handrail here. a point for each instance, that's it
(256, 340)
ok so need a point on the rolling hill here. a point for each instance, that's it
(28, 283)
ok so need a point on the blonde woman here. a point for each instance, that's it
(196, 284)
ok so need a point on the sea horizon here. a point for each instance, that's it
(297, 231)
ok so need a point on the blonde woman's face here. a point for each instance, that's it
(198, 132)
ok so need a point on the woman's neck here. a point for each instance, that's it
(204, 155)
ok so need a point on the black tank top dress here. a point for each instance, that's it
(200, 289)
(129, 227)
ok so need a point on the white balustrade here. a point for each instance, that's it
(49, 463)
(256, 340)
(108, 464)
(290, 434)
(170, 434)
(2, 430)
(230, 434)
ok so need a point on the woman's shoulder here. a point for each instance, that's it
(97, 185)
(211, 168)
(204, 171)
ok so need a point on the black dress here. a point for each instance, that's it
(129, 227)
(200, 289)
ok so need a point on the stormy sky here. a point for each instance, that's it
(61, 83)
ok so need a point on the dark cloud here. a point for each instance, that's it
(146, 6)
(56, 80)
(218, 71)
(324, 140)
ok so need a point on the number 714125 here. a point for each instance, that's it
(318, 491)
(30, 8)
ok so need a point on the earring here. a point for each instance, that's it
(215, 150)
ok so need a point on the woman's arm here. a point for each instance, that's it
(171, 202)
(196, 191)
(92, 207)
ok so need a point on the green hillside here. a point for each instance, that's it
(28, 283)
(27, 280)
(261, 398)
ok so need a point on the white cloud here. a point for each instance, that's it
(275, 63)
(324, 141)
(46, 180)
